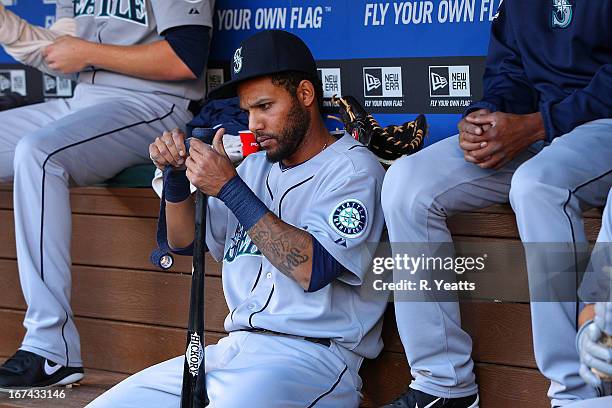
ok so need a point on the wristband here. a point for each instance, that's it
(243, 202)
(176, 185)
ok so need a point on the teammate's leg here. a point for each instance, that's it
(19, 122)
(87, 146)
(419, 193)
(548, 195)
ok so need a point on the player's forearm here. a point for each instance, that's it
(154, 61)
(180, 223)
(288, 248)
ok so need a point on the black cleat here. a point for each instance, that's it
(417, 399)
(29, 370)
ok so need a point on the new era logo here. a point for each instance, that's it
(50, 84)
(372, 82)
(5, 82)
(438, 81)
(449, 81)
(383, 82)
(13, 80)
(56, 87)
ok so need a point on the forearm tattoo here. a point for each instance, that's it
(285, 246)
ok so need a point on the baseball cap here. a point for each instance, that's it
(266, 53)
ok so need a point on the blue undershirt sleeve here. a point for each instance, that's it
(191, 44)
(325, 268)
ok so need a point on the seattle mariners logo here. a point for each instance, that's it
(350, 218)
(561, 14)
(240, 245)
(238, 60)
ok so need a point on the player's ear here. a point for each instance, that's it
(306, 93)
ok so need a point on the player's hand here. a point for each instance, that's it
(209, 167)
(593, 355)
(508, 136)
(67, 54)
(169, 150)
(471, 135)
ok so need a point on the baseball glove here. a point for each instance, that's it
(387, 143)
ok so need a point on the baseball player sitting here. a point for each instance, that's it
(291, 226)
(539, 138)
(138, 65)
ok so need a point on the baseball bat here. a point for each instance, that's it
(193, 393)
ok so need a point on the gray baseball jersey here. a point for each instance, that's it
(136, 22)
(335, 196)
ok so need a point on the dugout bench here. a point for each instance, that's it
(131, 315)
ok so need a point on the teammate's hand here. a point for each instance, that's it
(67, 54)
(593, 355)
(508, 136)
(209, 167)
(169, 150)
(471, 135)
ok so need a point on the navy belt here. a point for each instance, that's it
(316, 340)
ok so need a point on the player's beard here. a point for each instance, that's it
(290, 138)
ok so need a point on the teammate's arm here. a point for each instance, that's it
(584, 105)
(154, 61)
(25, 42)
(513, 122)
(506, 87)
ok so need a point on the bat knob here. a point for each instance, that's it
(162, 259)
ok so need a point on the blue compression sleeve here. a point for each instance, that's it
(241, 200)
(191, 43)
(325, 268)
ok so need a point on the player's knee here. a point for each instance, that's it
(29, 151)
(524, 187)
(404, 191)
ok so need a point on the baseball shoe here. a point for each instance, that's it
(417, 399)
(29, 370)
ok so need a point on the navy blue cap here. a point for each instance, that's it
(266, 53)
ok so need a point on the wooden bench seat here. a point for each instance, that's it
(131, 316)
